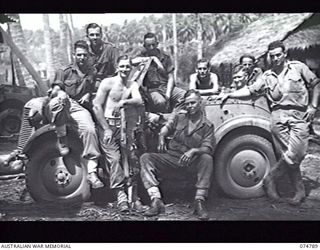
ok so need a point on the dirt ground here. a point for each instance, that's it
(18, 206)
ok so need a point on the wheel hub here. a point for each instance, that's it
(248, 167)
(62, 177)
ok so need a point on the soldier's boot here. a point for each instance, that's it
(200, 210)
(63, 146)
(94, 180)
(296, 180)
(157, 207)
(270, 181)
(137, 204)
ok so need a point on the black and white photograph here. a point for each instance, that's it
(160, 117)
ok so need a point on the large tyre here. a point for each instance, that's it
(10, 121)
(52, 178)
(241, 164)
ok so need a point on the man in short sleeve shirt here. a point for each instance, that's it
(162, 95)
(70, 94)
(286, 87)
(190, 149)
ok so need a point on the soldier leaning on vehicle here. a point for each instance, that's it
(286, 87)
(240, 77)
(249, 63)
(71, 88)
(203, 80)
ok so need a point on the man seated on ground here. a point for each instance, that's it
(203, 80)
(249, 63)
(240, 77)
(71, 88)
(161, 94)
(190, 149)
(113, 94)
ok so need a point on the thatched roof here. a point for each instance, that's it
(295, 30)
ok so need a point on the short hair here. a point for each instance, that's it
(238, 68)
(150, 35)
(190, 92)
(124, 57)
(81, 44)
(247, 56)
(204, 60)
(276, 44)
(93, 26)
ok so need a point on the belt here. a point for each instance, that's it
(114, 121)
(289, 107)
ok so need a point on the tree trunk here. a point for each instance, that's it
(199, 36)
(70, 23)
(24, 61)
(164, 37)
(70, 35)
(48, 47)
(16, 33)
(63, 48)
(175, 46)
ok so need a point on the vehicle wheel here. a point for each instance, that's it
(241, 164)
(50, 177)
(10, 121)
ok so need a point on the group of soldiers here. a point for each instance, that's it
(98, 68)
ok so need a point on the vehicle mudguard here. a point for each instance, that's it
(31, 143)
(241, 121)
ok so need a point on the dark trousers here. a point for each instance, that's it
(154, 163)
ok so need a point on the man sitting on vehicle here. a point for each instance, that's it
(191, 149)
(240, 77)
(113, 94)
(71, 88)
(203, 80)
(162, 95)
(103, 55)
(249, 63)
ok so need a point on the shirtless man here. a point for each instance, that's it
(113, 94)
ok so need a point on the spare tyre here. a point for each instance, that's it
(53, 178)
(242, 161)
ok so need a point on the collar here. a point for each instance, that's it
(100, 49)
(203, 121)
(76, 68)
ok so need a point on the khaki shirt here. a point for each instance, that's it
(155, 78)
(74, 82)
(289, 88)
(182, 141)
(105, 61)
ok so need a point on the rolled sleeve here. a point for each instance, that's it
(310, 77)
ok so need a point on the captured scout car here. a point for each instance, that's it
(243, 154)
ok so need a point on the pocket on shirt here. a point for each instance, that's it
(296, 83)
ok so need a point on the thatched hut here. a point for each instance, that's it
(299, 32)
